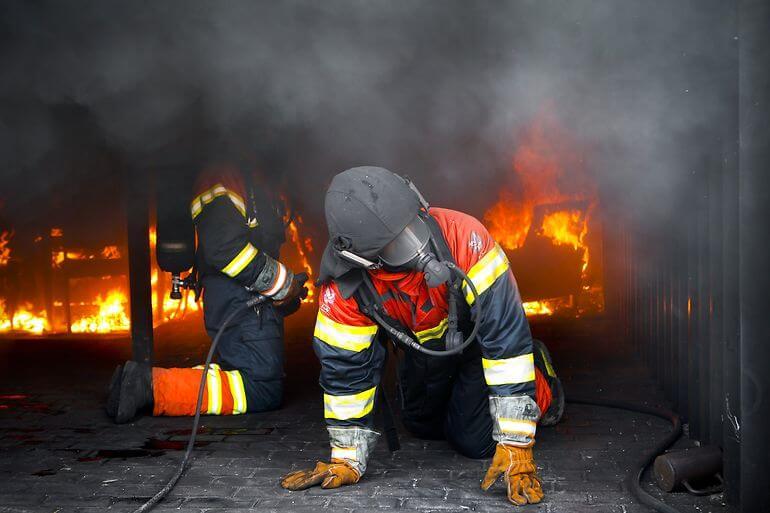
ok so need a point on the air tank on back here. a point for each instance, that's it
(175, 249)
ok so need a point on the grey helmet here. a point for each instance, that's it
(373, 216)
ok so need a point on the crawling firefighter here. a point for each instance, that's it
(387, 270)
(240, 228)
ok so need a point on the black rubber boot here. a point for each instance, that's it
(113, 392)
(135, 391)
(543, 361)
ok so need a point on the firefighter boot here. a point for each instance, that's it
(135, 391)
(544, 363)
(113, 392)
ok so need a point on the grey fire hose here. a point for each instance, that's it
(634, 478)
(147, 506)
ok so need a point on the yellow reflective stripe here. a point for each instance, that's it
(206, 197)
(211, 366)
(214, 387)
(517, 426)
(434, 332)
(344, 407)
(486, 271)
(351, 338)
(519, 369)
(345, 453)
(548, 367)
(238, 202)
(237, 390)
(241, 260)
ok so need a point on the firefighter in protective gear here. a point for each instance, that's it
(240, 229)
(486, 401)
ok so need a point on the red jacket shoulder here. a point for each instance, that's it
(466, 236)
(339, 309)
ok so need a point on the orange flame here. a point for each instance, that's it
(538, 308)
(5, 248)
(22, 320)
(110, 317)
(567, 227)
(303, 247)
(548, 168)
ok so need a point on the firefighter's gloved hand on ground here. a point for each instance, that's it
(295, 293)
(517, 466)
(328, 475)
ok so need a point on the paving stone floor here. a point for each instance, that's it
(59, 452)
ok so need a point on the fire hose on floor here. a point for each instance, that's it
(147, 506)
(633, 479)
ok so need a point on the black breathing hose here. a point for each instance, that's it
(410, 342)
(634, 478)
(147, 506)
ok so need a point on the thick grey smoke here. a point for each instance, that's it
(435, 89)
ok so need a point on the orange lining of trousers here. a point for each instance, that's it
(175, 392)
(543, 393)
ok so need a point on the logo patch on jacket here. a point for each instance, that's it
(329, 297)
(475, 242)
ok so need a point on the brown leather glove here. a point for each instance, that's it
(328, 475)
(520, 474)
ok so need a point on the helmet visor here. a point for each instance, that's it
(407, 244)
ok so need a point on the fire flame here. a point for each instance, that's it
(5, 248)
(303, 247)
(549, 171)
(567, 227)
(111, 316)
(538, 308)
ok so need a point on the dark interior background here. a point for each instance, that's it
(96, 94)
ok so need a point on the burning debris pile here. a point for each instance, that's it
(545, 220)
(86, 290)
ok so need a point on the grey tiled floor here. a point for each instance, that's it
(59, 452)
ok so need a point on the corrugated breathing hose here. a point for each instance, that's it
(634, 478)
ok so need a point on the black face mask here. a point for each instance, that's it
(410, 250)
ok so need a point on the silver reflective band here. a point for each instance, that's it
(358, 260)
(515, 419)
(352, 444)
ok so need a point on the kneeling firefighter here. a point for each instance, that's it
(240, 229)
(435, 280)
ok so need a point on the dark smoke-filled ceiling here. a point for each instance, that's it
(92, 90)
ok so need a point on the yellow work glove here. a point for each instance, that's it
(520, 474)
(328, 475)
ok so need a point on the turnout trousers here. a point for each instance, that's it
(248, 374)
(448, 398)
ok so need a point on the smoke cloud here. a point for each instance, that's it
(436, 90)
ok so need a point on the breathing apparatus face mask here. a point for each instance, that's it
(408, 250)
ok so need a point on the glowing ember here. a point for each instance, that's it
(537, 308)
(5, 248)
(111, 316)
(110, 253)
